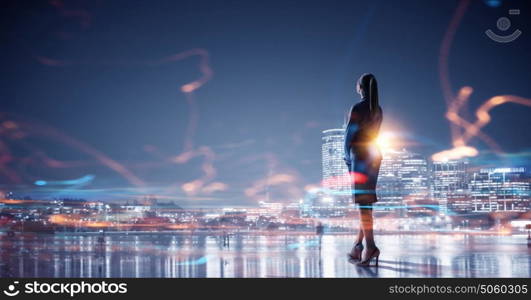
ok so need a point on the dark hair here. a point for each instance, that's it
(369, 86)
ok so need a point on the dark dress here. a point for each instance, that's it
(362, 155)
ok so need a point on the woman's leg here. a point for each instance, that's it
(366, 225)
(359, 239)
(357, 249)
(370, 198)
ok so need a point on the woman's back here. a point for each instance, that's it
(364, 123)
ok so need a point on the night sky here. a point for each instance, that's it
(93, 74)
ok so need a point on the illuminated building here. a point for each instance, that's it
(271, 208)
(403, 180)
(449, 185)
(389, 188)
(500, 189)
(335, 173)
(389, 192)
(414, 174)
(320, 204)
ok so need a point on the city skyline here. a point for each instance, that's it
(407, 180)
(411, 183)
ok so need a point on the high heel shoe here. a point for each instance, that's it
(367, 261)
(355, 253)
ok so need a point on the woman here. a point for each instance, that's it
(363, 158)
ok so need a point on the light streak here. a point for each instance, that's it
(83, 180)
(197, 186)
(455, 153)
(456, 102)
(444, 53)
(200, 185)
(200, 261)
(275, 179)
(204, 67)
(192, 187)
(205, 183)
(472, 130)
(46, 131)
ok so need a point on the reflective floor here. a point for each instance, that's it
(201, 255)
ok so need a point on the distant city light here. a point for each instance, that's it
(328, 199)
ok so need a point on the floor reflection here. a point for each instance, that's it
(202, 255)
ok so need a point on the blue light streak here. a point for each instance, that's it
(79, 181)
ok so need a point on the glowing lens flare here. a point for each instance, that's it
(385, 141)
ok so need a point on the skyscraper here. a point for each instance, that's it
(403, 180)
(335, 173)
(500, 189)
(450, 185)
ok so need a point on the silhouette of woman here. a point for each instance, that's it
(363, 158)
